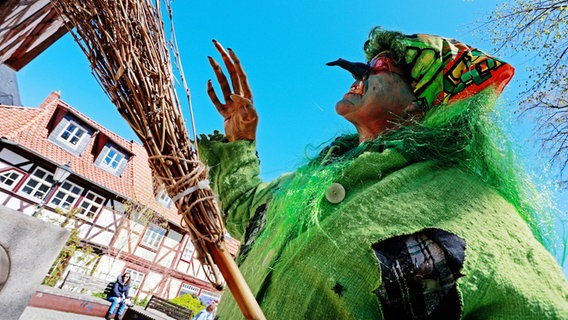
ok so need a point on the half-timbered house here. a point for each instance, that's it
(110, 185)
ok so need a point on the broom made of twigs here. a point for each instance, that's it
(126, 45)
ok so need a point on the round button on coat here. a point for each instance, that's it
(335, 193)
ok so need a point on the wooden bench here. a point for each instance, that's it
(168, 308)
(84, 304)
(83, 283)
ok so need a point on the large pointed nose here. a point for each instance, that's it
(359, 70)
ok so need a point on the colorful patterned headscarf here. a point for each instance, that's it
(441, 70)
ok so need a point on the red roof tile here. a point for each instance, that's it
(14, 119)
(29, 128)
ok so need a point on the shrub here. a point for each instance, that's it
(141, 302)
(188, 301)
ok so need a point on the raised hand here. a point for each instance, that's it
(241, 118)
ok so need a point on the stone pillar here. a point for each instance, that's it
(31, 245)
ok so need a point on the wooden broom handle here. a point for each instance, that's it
(236, 283)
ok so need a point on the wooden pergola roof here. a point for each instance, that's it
(27, 28)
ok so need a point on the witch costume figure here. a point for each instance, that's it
(420, 215)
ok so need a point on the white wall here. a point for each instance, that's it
(109, 268)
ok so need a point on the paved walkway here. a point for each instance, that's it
(32, 313)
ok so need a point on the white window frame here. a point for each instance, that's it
(90, 202)
(188, 289)
(136, 278)
(188, 250)
(164, 199)
(153, 236)
(113, 158)
(75, 134)
(66, 195)
(7, 178)
(44, 181)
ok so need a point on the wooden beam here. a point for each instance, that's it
(24, 54)
(6, 7)
(18, 23)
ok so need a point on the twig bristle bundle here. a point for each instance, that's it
(126, 46)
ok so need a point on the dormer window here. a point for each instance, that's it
(112, 159)
(72, 134)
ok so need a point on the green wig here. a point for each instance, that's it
(457, 86)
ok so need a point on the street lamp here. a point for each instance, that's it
(61, 173)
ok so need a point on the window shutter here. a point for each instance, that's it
(122, 166)
(101, 156)
(85, 141)
(57, 131)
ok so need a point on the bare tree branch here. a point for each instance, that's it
(539, 30)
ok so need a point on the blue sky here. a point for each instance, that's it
(283, 46)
